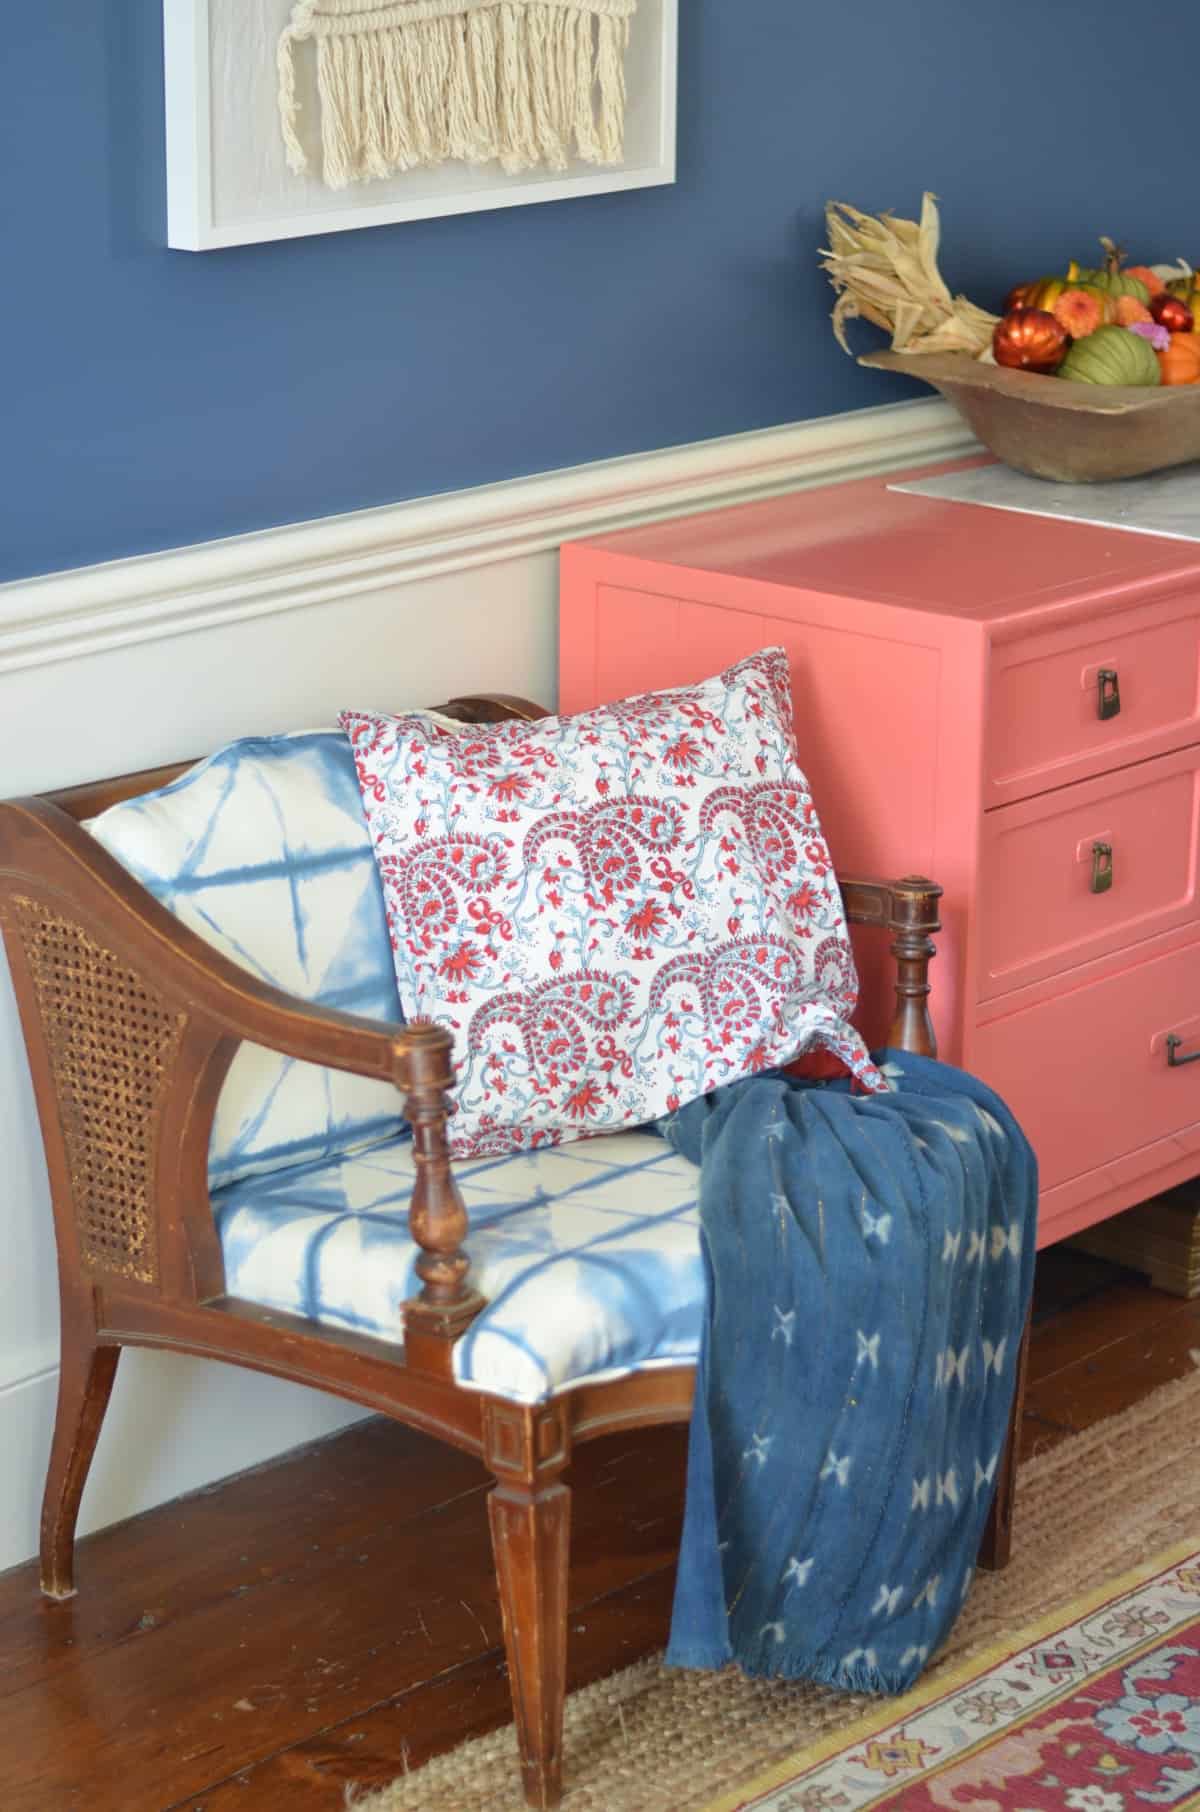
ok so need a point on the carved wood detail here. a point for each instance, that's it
(914, 917)
(526, 1442)
(437, 1216)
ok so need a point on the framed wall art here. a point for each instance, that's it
(292, 117)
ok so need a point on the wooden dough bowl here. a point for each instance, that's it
(1051, 428)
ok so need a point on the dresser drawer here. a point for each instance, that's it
(1087, 1073)
(1047, 696)
(1087, 869)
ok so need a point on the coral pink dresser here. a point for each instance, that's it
(1010, 704)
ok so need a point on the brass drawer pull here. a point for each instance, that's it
(1102, 867)
(1108, 686)
(1174, 1062)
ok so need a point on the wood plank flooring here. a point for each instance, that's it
(332, 1618)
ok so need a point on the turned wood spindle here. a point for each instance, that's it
(914, 918)
(437, 1215)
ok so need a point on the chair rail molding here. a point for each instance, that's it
(147, 597)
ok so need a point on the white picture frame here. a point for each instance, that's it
(228, 182)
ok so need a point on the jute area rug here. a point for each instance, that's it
(649, 1739)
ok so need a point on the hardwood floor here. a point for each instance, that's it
(332, 1618)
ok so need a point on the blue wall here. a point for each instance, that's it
(154, 397)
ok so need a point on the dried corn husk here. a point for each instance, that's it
(886, 270)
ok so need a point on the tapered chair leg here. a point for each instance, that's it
(84, 1386)
(995, 1550)
(531, 1540)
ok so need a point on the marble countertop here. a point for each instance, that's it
(1162, 503)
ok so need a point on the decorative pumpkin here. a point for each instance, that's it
(1173, 314)
(1129, 310)
(1113, 283)
(1112, 279)
(1030, 339)
(1111, 355)
(1124, 283)
(1144, 274)
(1106, 298)
(1043, 293)
(1180, 362)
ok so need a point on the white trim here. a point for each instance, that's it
(61, 616)
(187, 83)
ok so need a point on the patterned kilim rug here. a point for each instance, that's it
(1100, 1713)
(1090, 1513)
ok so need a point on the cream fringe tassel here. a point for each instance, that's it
(526, 81)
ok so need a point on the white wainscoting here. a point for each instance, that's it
(122, 666)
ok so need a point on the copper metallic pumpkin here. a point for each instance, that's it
(1029, 339)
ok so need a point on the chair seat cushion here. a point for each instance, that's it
(588, 1254)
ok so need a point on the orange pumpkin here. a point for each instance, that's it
(1179, 363)
(1145, 275)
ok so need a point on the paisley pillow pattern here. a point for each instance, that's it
(613, 912)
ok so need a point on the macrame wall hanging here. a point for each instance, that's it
(418, 82)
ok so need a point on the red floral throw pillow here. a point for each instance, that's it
(614, 912)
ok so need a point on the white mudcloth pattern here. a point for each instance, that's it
(527, 82)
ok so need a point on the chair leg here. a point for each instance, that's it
(995, 1550)
(84, 1387)
(530, 1541)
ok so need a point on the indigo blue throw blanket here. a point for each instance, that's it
(869, 1263)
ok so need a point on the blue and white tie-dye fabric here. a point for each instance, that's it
(263, 851)
(588, 1255)
(869, 1262)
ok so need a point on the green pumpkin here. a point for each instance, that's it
(1120, 284)
(1111, 355)
(1113, 283)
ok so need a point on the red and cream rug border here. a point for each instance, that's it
(887, 1742)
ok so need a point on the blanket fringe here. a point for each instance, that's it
(527, 82)
(856, 1672)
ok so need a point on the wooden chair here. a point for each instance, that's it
(131, 1022)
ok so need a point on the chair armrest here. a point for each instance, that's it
(909, 909)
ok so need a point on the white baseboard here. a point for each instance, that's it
(175, 1424)
(117, 667)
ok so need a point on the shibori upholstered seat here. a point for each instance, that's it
(586, 1255)
(248, 1160)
